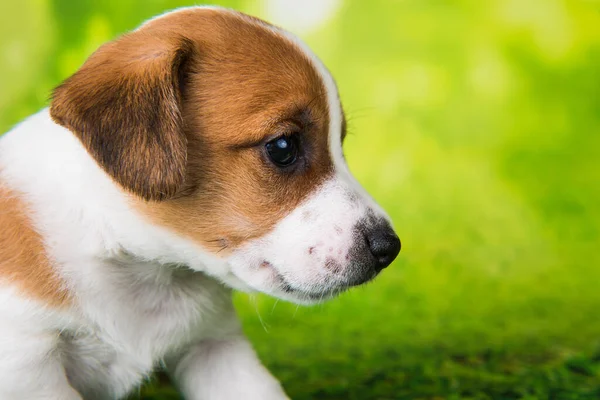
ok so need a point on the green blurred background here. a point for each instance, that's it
(476, 124)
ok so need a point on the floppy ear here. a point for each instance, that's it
(124, 104)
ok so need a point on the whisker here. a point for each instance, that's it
(262, 322)
(274, 304)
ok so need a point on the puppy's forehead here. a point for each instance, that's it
(254, 73)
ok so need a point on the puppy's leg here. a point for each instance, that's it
(30, 367)
(226, 369)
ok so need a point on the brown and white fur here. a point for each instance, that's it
(133, 205)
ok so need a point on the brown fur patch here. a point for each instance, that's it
(242, 85)
(23, 259)
(247, 86)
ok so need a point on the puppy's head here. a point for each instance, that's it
(228, 131)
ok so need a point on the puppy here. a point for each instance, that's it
(197, 154)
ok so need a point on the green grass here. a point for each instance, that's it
(477, 125)
(447, 376)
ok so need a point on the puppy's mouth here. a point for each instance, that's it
(313, 296)
(330, 287)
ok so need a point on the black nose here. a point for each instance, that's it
(384, 245)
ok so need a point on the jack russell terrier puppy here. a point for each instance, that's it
(197, 154)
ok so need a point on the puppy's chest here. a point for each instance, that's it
(131, 320)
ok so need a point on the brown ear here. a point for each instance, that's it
(124, 104)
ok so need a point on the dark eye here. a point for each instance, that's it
(283, 151)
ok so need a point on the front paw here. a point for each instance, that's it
(256, 391)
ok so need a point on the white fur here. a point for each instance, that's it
(143, 295)
(136, 303)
